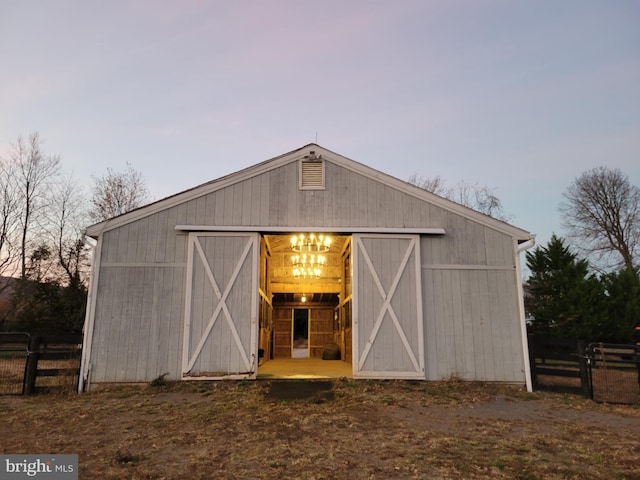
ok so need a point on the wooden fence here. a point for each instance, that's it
(559, 364)
(39, 363)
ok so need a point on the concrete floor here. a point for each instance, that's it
(305, 368)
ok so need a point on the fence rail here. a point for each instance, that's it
(558, 364)
(37, 363)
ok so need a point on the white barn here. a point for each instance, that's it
(203, 284)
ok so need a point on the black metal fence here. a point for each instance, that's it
(14, 352)
(35, 363)
(614, 373)
(608, 373)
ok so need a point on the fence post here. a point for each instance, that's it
(32, 365)
(584, 373)
(532, 361)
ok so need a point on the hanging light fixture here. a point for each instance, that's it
(306, 273)
(308, 260)
(310, 243)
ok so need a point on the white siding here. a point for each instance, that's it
(470, 300)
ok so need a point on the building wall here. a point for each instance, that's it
(468, 275)
(471, 305)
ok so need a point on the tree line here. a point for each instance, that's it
(44, 256)
(585, 286)
(589, 289)
(590, 292)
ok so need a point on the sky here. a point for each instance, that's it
(518, 96)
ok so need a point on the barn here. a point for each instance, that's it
(300, 255)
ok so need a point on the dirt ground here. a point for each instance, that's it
(342, 429)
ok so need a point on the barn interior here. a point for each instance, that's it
(305, 306)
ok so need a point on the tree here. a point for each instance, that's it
(46, 308)
(622, 303)
(116, 193)
(8, 223)
(40, 240)
(562, 298)
(32, 172)
(481, 199)
(601, 211)
(67, 218)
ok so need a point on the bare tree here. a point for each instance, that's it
(601, 211)
(116, 193)
(481, 199)
(67, 217)
(34, 172)
(8, 222)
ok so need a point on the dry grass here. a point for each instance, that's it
(365, 430)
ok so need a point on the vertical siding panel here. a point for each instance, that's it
(487, 331)
(144, 322)
(153, 237)
(458, 323)
(217, 199)
(132, 320)
(142, 240)
(250, 193)
(192, 212)
(109, 246)
(430, 332)
(506, 322)
(513, 357)
(454, 329)
(264, 201)
(106, 333)
(496, 328)
(416, 215)
(153, 312)
(472, 325)
(371, 203)
(292, 206)
(277, 201)
(210, 209)
(238, 200)
(121, 314)
(478, 321)
(171, 251)
(122, 246)
(440, 338)
(131, 248)
(165, 312)
(175, 319)
(163, 232)
(335, 189)
(229, 208)
(201, 211)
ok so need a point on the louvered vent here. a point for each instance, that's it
(312, 174)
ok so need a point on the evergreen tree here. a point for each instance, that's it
(622, 305)
(563, 299)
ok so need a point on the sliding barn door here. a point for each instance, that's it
(221, 319)
(387, 301)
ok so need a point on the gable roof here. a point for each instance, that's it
(294, 156)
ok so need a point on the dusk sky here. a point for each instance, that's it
(518, 96)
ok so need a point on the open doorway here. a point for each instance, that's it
(303, 316)
(300, 334)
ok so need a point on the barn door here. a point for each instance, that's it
(387, 303)
(221, 320)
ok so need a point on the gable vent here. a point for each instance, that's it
(312, 174)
